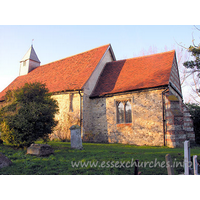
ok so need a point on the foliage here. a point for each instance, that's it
(194, 110)
(28, 114)
(194, 66)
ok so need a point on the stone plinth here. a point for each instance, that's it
(4, 161)
(76, 141)
(40, 150)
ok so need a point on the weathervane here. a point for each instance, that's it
(32, 42)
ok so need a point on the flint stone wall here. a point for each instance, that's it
(66, 117)
(146, 127)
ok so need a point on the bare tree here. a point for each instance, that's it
(192, 67)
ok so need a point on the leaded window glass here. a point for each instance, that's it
(124, 112)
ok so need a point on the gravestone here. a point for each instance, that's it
(195, 165)
(40, 150)
(76, 141)
(186, 157)
(170, 169)
(4, 161)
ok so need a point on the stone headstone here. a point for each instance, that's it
(40, 150)
(186, 157)
(4, 161)
(195, 165)
(76, 141)
(170, 169)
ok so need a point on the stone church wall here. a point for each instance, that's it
(88, 88)
(66, 116)
(175, 134)
(179, 125)
(146, 127)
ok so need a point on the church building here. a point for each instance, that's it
(132, 101)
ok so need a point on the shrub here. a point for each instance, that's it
(28, 115)
(194, 110)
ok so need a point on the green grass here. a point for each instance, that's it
(60, 162)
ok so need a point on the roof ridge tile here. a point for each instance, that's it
(151, 55)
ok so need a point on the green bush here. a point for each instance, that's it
(194, 110)
(1, 141)
(28, 114)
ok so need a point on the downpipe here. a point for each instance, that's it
(164, 112)
(80, 111)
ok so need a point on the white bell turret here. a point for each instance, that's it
(29, 62)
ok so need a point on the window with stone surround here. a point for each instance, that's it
(124, 115)
(71, 96)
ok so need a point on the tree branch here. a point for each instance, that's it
(193, 40)
(197, 28)
(180, 45)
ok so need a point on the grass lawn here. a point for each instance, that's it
(110, 159)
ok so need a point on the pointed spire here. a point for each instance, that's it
(30, 55)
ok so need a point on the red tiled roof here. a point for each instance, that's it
(67, 74)
(135, 73)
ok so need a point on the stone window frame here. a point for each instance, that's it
(125, 99)
(71, 97)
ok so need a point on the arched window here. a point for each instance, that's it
(128, 112)
(120, 112)
(124, 112)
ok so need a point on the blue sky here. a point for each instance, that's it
(59, 41)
